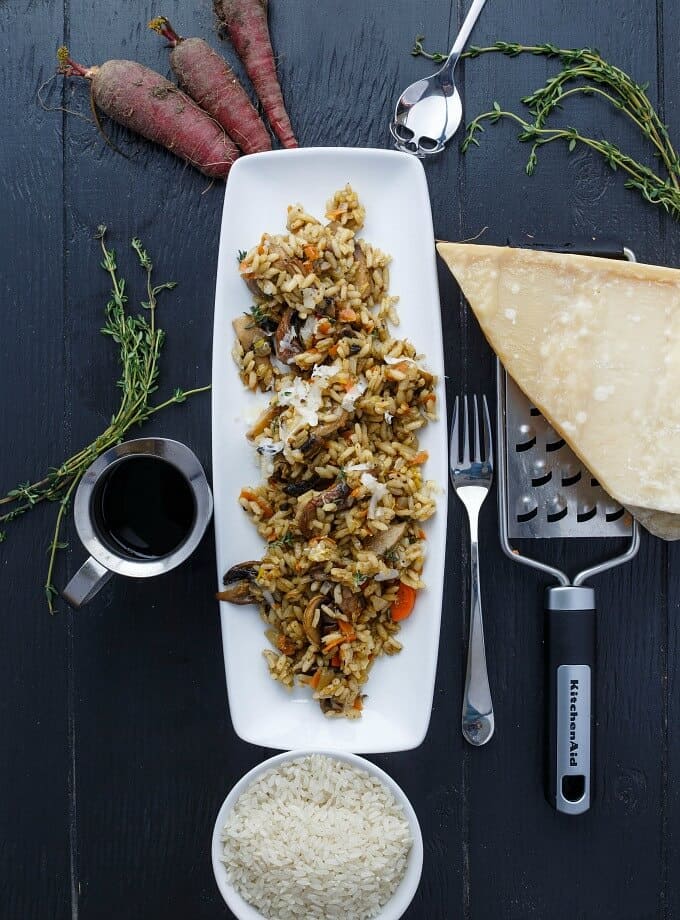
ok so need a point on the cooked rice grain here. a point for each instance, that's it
(339, 450)
(316, 839)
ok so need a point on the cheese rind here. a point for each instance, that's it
(595, 345)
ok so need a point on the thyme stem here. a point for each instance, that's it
(140, 344)
(594, 76)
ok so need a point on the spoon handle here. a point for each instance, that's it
(465, 29)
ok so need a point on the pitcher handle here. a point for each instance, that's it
(87, 581)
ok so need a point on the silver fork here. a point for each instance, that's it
(471, 471)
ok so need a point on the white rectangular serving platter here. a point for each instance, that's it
(393, 188)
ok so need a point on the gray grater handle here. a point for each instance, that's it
(570, 667)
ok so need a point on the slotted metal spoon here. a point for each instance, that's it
(429, 112)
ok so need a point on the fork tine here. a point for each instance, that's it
(454, 449)
(487, 432)
(477, 449)
(466, 433)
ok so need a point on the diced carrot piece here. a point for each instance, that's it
(404, 603)
(334, 643)
(347, 315)
(311, 252)
(420, 457)
(314, 682)
(347, 629)
(285, 645)
(358, 704)
(335, 660)
(264, 506)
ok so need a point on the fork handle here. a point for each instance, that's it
(570, 664)
(477, 718)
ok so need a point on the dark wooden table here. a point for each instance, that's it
(116, 746)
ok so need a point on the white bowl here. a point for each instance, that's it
(407, 887)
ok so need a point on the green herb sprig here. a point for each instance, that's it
(584, 72)
(140, 344)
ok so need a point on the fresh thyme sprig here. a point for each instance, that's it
(595, 77)
(140, 344)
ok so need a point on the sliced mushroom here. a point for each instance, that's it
(312, 630)
(253, 338)
(314, 442)
(362, 276)
(286, 341)
(252, 284)
(239, 584)
(384, 540)
(327, 307)
(338, 494)
(248, 332)
(351, 604)
(296, 489)
(330, 705)
(265, 419)
(286, 263)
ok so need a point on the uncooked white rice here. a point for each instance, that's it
(316, 839)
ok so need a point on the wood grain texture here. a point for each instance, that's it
(35, 879)
(525, 860)
(120, 747)
(668, 36)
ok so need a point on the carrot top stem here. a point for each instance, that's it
(71, 68)
(162, 25)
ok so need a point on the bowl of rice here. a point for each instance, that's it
(317, 834)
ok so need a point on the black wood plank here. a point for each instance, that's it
(144, 708)
(668, 32)
(526, 861)
(155, 754)
(154, 751)
(34, 658)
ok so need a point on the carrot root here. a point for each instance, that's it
(145, 102)
(212, 84)
(248, 29)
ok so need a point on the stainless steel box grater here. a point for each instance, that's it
(545, 492)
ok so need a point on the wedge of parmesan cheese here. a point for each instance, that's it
(595, 345)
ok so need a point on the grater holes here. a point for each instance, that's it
(556, 508)
(527, 516)
(571, 477)
(614, 515)
(534, 411)
(526, 437)
(540, 475)
(527, 509)
(594, 483)
(586, 514)
(555, 445)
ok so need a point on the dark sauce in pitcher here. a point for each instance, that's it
(144, 508)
